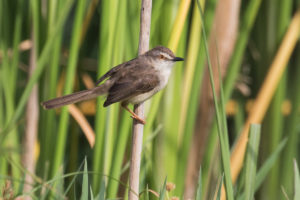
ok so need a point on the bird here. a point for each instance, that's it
(131, 82)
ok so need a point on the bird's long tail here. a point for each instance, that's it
(75, 97)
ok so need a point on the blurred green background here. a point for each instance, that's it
(50, 48)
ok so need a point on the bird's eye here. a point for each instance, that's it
(161, 56)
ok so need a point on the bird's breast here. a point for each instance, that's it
(163, 75)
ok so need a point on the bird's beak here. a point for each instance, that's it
(177, 59)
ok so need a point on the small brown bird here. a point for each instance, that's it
(133, 82)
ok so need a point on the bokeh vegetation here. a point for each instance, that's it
(51, 48)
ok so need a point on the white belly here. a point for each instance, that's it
(142, 97)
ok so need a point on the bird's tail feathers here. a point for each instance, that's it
(75, 97)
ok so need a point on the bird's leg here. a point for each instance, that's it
(133, 115)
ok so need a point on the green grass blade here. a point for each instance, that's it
(16, 42)
(85, 183)
(101, 195)
(199, 188)
(266, 167)
(220, 188)
(118, 154)
(70, 74)
(276, 19)
(296, 181)
(123, 131)
(162, 192)
(91, 193)
(147, 193)
(251, 160)
(109, 10)
(292, 131)
(221, 128)
(8, 73)
(72, 182)
(48, 120)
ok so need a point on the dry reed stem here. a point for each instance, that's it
(138, 128)
(32, 118)
(265, 95)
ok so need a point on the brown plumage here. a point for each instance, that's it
(131, 82)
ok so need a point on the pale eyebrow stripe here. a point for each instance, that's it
(167, 56)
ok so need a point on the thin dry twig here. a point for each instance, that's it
(137, 131)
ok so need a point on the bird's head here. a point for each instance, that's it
(162, 56)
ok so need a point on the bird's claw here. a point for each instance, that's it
(138, 119)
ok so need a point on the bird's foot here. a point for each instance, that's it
(137, 118)
(134, 116)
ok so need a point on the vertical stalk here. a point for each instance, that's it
(104, 131)
(137, 131)
(71, 69)
(275, 120)
(7, 72)
(124, 124)
(48, 119)
(32, 118)
(32, 108)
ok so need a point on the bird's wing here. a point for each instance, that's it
(113, 70)
(132, 81)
